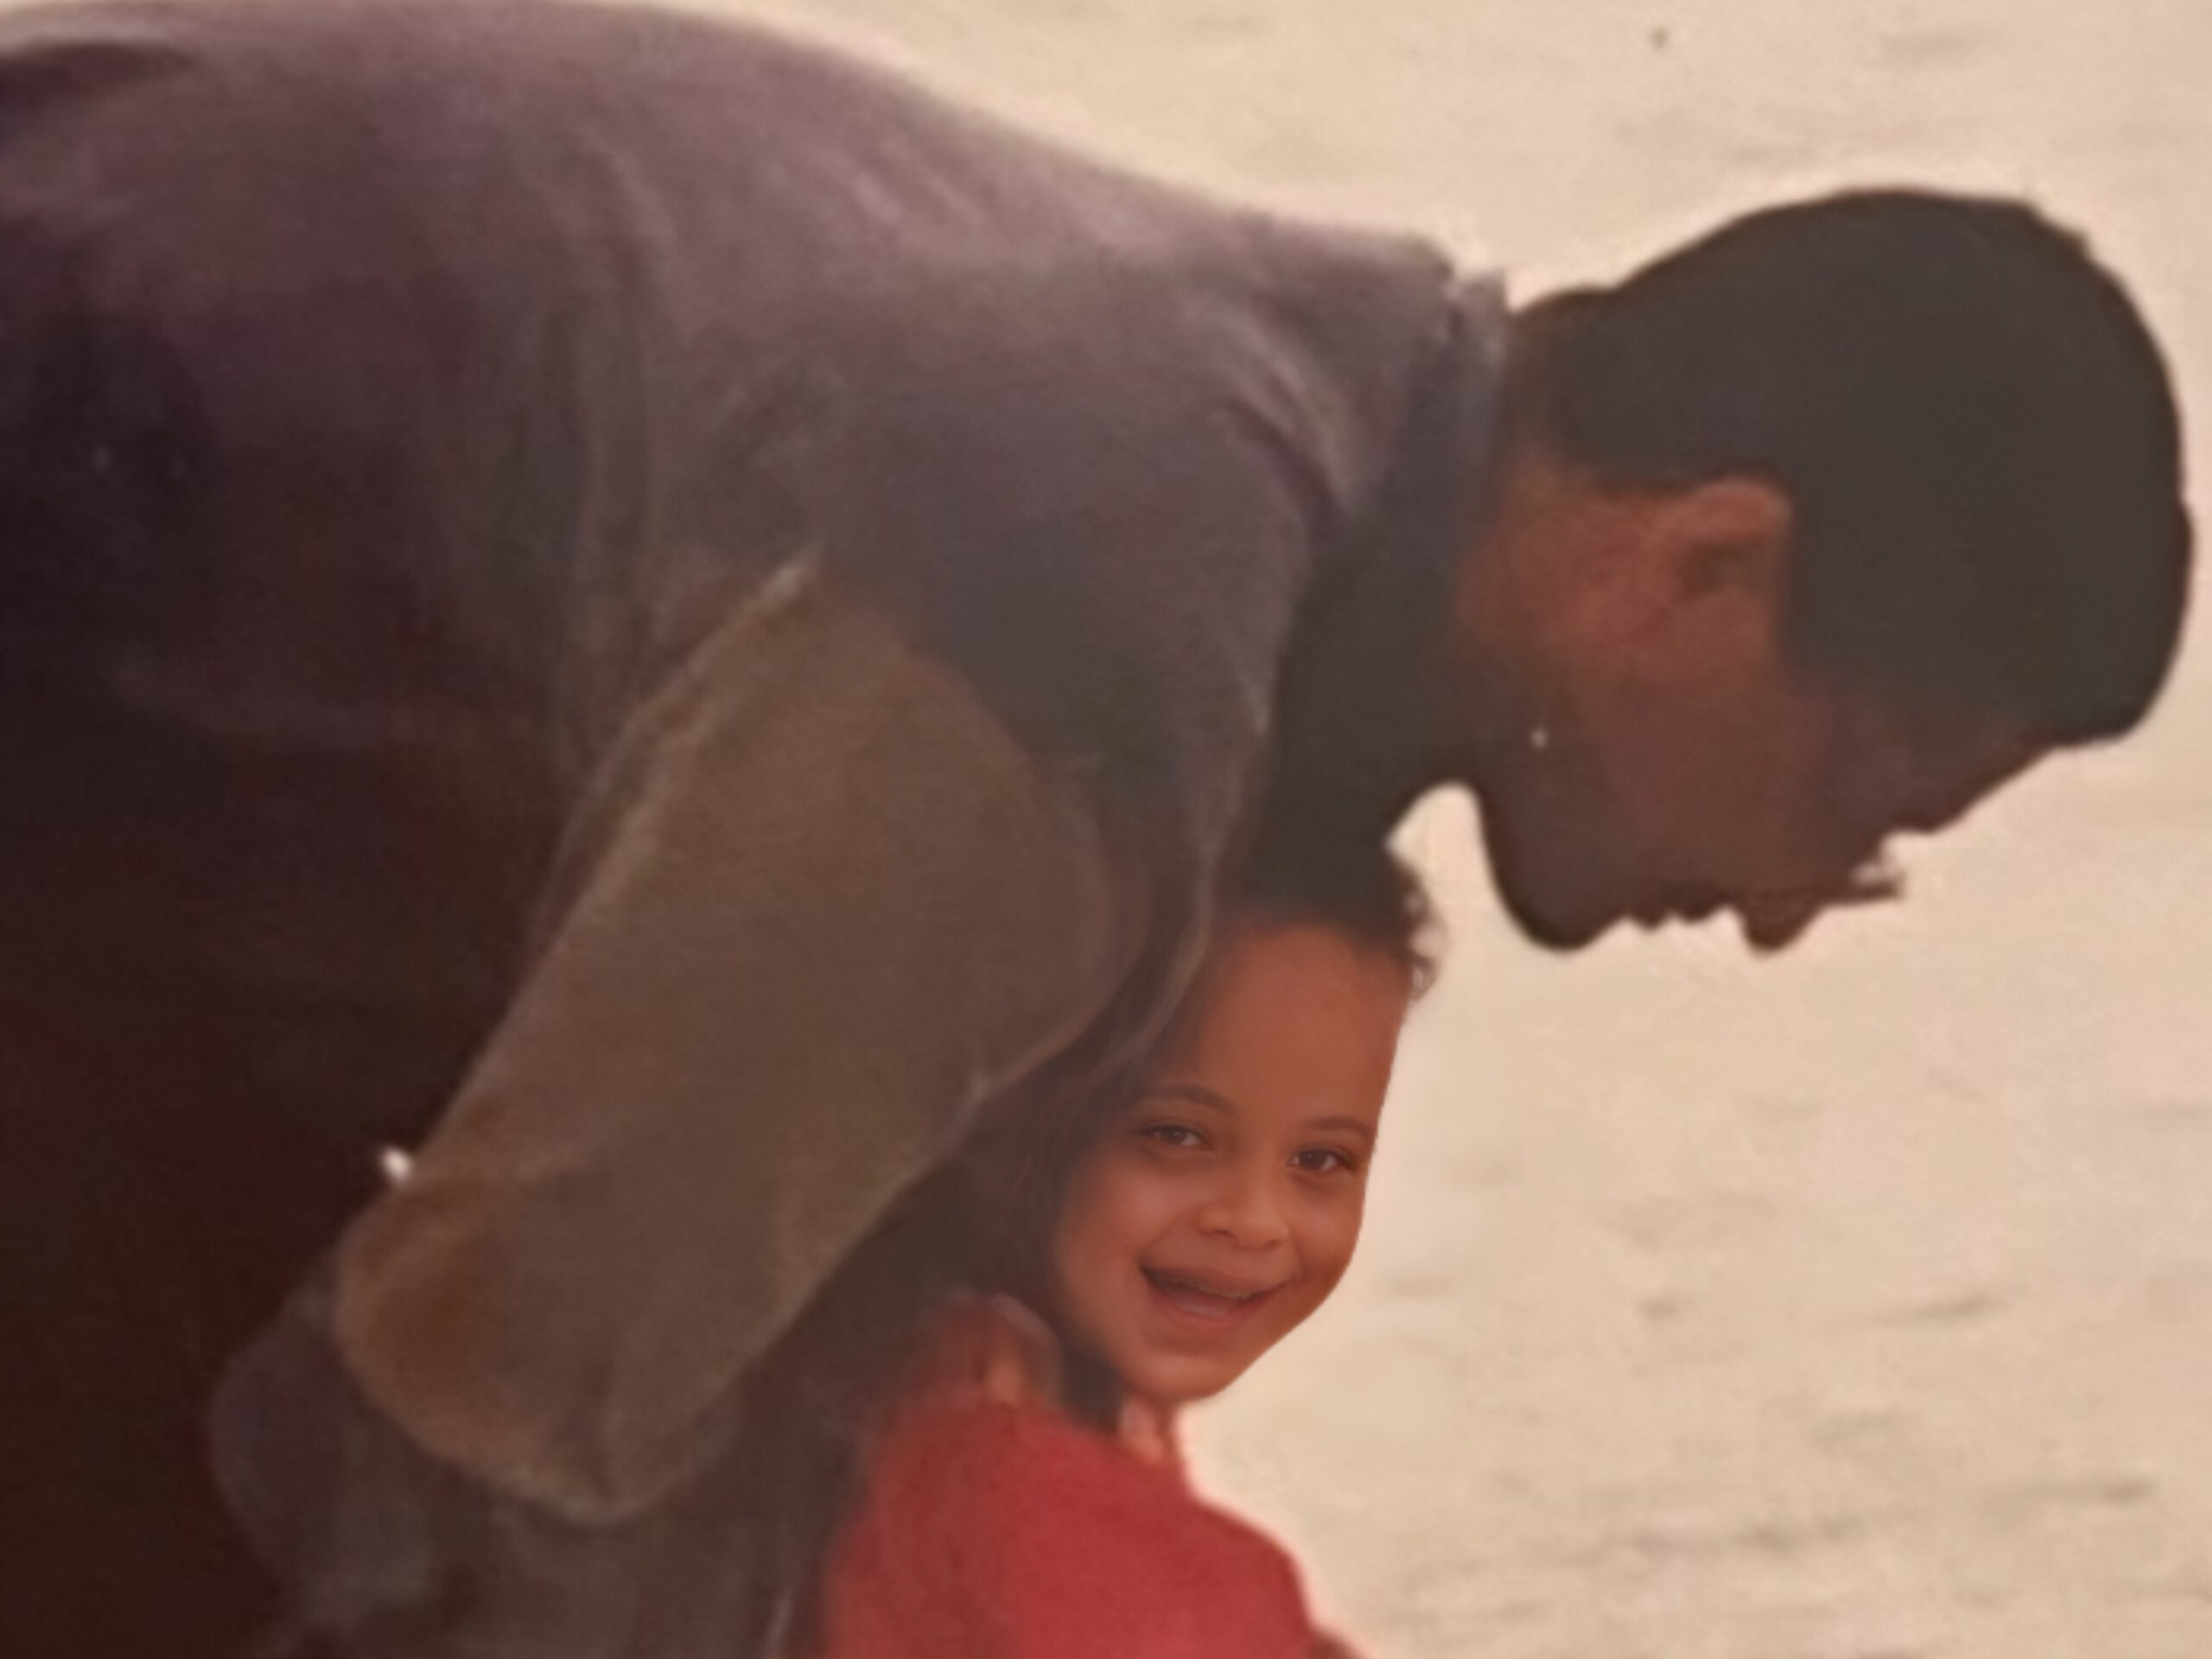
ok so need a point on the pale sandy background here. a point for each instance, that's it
(1855, 1306)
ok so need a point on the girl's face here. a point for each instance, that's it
(1207, 1223)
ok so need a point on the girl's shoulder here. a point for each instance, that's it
(993, 1349)
(987, 1347)
(999, 1531)
(996, 1526)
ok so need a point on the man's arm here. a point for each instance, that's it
(820, 904)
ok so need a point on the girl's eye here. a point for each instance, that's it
(1173, 1135)
(1322, 1160)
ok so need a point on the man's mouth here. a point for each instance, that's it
(1205, 1301)
(1689, 906)
(1774, 920)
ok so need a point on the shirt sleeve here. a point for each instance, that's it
(994, 1532)
(817, 905)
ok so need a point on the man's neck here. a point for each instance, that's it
(1374, 700)
(1360, 736)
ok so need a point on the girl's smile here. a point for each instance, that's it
(1223, 1208)
(1205, 1303)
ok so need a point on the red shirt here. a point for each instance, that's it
(993, 1531)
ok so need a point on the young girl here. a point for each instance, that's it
(966, 1448)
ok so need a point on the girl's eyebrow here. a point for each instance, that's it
(1195, 1094)
(1343, 1125)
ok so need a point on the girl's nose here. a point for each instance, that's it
(1245, 1210)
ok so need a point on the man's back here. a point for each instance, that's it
(411, 388)
(402, 395)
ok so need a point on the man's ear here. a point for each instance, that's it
(1715, 570)
(1731, 535)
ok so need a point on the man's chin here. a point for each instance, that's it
(1552, 914)
(1552, 925)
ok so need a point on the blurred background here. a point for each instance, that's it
(1854, 1306)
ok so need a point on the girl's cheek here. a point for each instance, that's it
(1146, 1178)
(1334, 1234)
(1125, 1201)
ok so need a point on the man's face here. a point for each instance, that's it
(1666, 760)
(1778, 805)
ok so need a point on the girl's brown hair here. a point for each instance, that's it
(981, 1224)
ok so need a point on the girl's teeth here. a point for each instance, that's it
(1168, 1282)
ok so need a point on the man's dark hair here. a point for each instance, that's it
(1972, 422)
